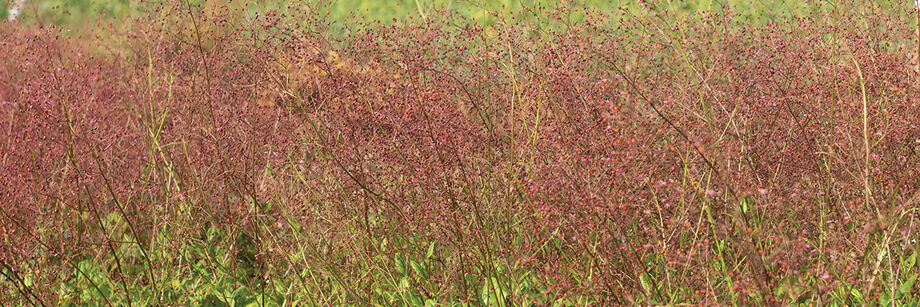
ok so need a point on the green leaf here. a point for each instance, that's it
(400, 265)
(419, 269)
(492, 292)
(404, 283)
(238, 292)
(857, 295)
(414, 300)
(885, 299)
(905, 287)
(212, 300)
(431, 251)
(105, 290)
(644, 281)
(484, 294)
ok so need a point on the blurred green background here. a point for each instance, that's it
(77, 13)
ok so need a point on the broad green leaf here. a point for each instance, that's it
(238, 292)
(420, 270)
(905, 287)
(885, 298)
(911, 261)
(414, 300)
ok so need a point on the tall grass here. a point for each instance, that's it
(209, 153)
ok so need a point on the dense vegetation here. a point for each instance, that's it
(225, 153)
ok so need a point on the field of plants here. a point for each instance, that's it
(459, 153)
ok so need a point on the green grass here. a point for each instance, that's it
(76, 13)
